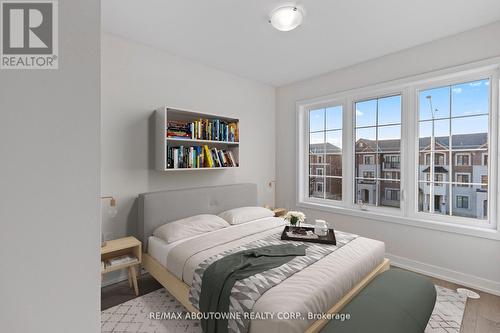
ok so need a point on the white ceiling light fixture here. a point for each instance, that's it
(286, 18)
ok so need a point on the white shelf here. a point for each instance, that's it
(162, 142)
(187, 140)
(200, 169)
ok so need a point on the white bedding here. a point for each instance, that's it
(314, 289)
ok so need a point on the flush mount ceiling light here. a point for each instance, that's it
(286, 18)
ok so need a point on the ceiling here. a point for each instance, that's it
(235, 36)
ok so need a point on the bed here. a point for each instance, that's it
(325, 286)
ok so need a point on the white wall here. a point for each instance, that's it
(136, 79)
(49, 185)
(457, 257)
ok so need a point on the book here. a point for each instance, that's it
(208, 156)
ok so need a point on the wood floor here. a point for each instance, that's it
(481, 315)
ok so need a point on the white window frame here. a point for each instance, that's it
(463, 154)
(436, 153)
(370, 156)
(483, 158)
(322, 173)
(409, 89)
(463, 196)
(392, 155)
(392, 190)
(462, 183)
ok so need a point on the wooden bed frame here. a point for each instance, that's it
(155, 208)
(180, 290)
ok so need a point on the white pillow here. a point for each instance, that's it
(245, 214)
(188, 227)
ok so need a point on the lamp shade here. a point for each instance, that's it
(286, 18)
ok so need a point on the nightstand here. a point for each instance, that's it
(279, 212)
(121, 247)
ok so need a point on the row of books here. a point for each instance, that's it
(204, 129)
(199, 157)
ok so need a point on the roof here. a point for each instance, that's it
(364, 145)
(437, 169)
(459, 141)
(324, 148)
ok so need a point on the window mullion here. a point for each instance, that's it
(348, 137)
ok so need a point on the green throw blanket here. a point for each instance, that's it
(220, 277)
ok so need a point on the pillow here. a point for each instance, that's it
(245, 214)
(188, 227)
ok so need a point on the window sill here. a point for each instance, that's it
(409, 221)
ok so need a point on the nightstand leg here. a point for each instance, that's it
(134, 280)
(129, 278)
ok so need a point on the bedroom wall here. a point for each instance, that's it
(49, 207)
(136, 79)
(452, 256)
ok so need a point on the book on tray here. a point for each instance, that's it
(199, 157)
(203, 129)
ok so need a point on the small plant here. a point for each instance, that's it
(295, 218)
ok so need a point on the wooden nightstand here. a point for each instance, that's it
(119, 247)
(279, 212)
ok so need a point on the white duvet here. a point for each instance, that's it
(312, 290)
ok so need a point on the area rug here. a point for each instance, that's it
(138, 315)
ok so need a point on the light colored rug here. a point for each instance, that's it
(448, 312)
(134, 316)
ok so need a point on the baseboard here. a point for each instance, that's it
(470, 281)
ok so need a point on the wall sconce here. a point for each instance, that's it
(111, 212)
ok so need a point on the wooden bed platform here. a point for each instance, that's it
(180, 290)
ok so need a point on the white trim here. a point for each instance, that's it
(392, 190)
(408, 89)
(388, 216)
(483, 155)
(467, 280)
(463, 154)
(461, 184)
(440, 152)
(392, 155)
(463, 196)
(372, 156)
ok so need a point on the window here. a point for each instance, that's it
(392, 194)
(391, 175)
(485, 159)
(319, 187)
(438, 179)
(369, 159)
(368, 174)
(415, 152)
(462, 202)
(438, 159)
(462, 159)
(378, 132)
(325, 153)
(462, 179)
(453, 124)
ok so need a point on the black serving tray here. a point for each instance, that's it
(328, 239)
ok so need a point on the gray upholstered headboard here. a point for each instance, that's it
(157, 208)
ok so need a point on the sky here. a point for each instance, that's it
(469, 100)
